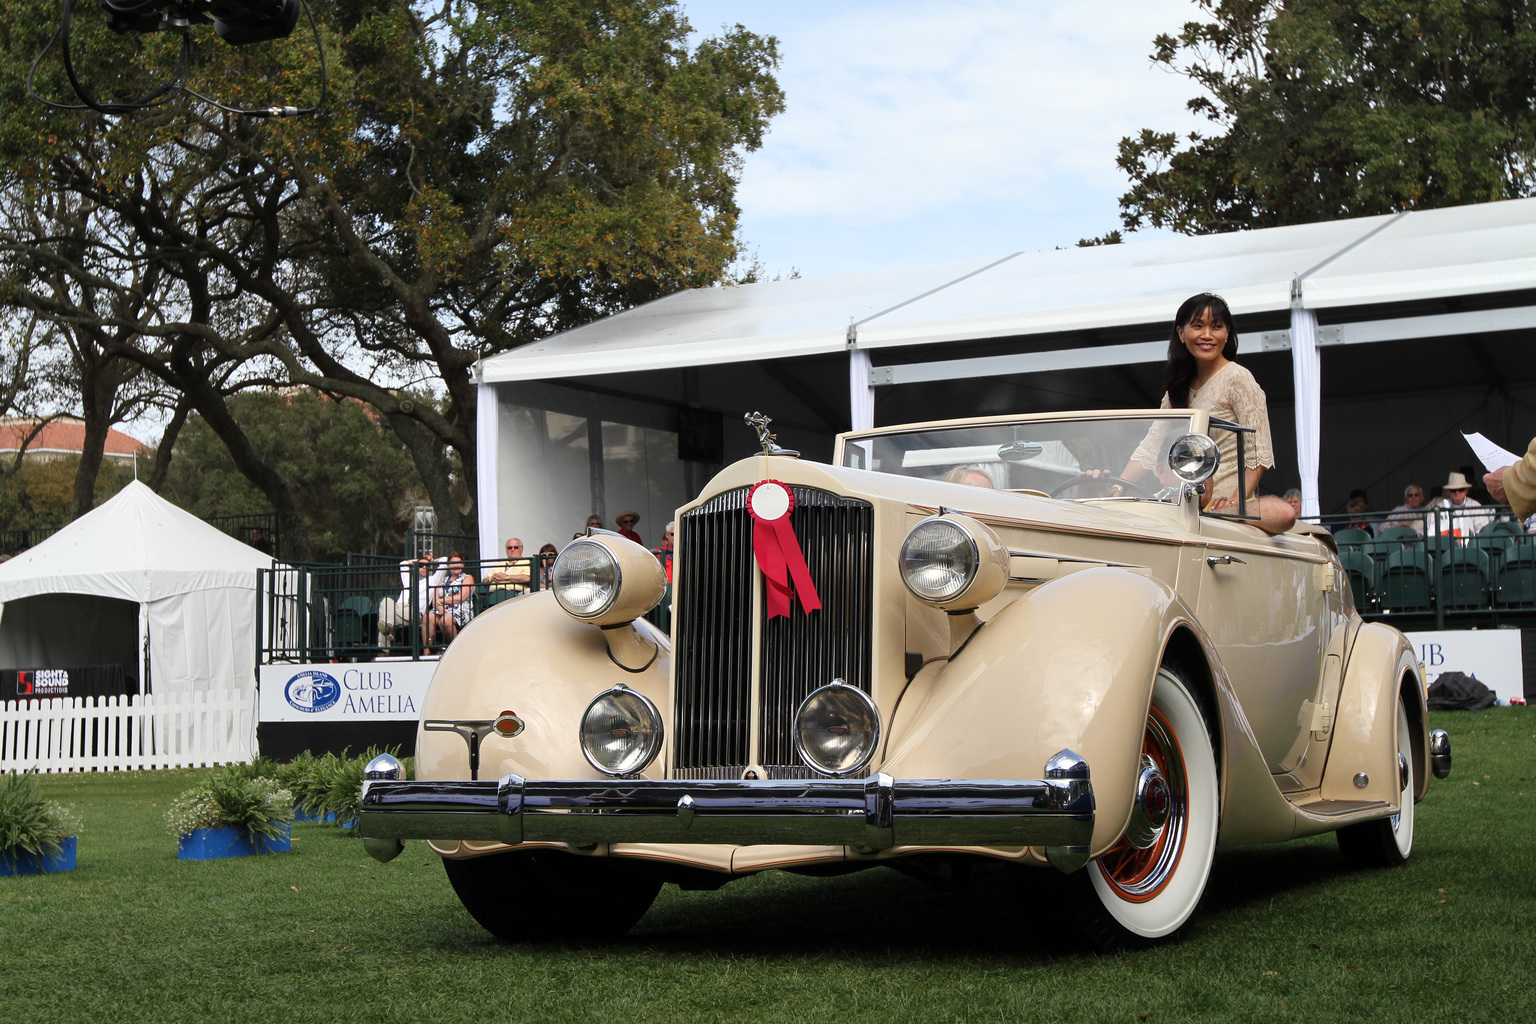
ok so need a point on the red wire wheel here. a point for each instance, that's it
(1139, 875)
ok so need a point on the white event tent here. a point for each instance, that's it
(140, 582)
(1377, 340)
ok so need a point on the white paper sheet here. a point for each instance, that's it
(1491, 455)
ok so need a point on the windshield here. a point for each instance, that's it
(1122, 457)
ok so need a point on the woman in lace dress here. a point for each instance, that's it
(1201, 374)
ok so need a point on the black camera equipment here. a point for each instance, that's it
(237, 22)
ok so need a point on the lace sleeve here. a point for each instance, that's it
(1248, 404)
(1146, 453)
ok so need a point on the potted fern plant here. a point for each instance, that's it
(36, 835)
(231, 813)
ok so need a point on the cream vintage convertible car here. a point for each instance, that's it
(966, 641)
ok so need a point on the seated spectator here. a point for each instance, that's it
(664, 553)
(1411, 511)
(547, 555)
(626, 523)
(419, 574)
(1478, 493)
(1357, 509)
(1454, 500)
(259, 540)
(594, 522)
(451, 605)
(1292, 498)
(512, 574)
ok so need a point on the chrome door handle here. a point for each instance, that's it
(1223, 560)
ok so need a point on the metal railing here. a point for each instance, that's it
(1445, 565)
(15, 541)
(364, 611)
(238, 527)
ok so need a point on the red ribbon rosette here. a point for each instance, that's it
(777, 549)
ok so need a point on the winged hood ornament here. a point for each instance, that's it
(758, 422)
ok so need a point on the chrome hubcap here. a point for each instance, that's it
(1151, 807)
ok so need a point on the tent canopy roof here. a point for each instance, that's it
(137, 547)
(1391, 258)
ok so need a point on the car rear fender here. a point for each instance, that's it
(1069, 665)
(1382, 665)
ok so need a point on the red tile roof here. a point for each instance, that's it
(65, 436)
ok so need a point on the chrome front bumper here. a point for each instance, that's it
(867, 815)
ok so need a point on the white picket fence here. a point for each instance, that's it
(74, 734)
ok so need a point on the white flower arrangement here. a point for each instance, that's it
(229, 800)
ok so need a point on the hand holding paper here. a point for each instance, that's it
(1491, 455)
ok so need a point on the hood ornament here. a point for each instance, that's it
(758, 422)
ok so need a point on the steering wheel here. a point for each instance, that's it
(1129, 488)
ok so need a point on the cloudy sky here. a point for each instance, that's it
(919, 132)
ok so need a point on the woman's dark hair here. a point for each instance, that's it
(1179, 374)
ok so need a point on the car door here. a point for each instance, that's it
(1265, 603)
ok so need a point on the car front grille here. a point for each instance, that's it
(714, 635)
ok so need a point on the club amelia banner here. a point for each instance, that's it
(362, 692)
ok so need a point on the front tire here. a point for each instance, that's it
(1132, 897)
(541, 895)
(1386, 842)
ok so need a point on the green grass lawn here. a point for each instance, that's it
(326, 934)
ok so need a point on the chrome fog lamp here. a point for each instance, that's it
(837, 729)
(585, 579)
(1193, 458)
(939, 559)
(621, 731)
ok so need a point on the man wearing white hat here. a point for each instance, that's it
(1454, 497)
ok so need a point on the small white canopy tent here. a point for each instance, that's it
(137, 581)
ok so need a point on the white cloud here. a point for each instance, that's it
(989, 122)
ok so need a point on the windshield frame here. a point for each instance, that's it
(1198, 421)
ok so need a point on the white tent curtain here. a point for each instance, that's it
(1307, 371)
(861, 396)
(486, 454)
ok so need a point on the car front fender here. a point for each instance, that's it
(529, 657)
(1069, 665)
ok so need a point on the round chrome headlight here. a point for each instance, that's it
(939, 559)
(1193, 458)
(837, 729)
(621, 731)
(585, 579)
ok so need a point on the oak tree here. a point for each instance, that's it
(1323, 109)
(482, 173)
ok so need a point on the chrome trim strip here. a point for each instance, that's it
(866, 814)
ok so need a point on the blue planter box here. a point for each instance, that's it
(22, 863)
(214, 843)
(299, 814)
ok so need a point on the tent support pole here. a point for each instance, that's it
(1307, 370)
